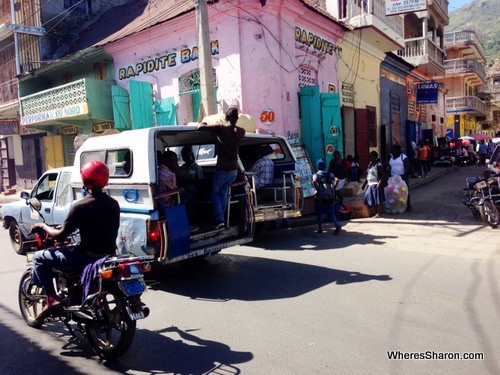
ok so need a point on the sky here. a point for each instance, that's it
(456, 4)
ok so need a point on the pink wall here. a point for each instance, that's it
(258, 61)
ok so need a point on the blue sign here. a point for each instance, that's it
(427, 93)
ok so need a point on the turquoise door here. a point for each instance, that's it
(141, 104)
(310, 113)
(121, 108)
(165, 112)
(331, 121)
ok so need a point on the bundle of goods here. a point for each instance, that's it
(396, 195)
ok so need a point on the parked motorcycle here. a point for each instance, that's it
(479, 195)
(107, 316)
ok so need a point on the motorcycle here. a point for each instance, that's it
(107, 316)
(480, 198)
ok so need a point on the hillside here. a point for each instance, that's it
(480, 16)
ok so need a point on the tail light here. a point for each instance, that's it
(130, 269)
(153, 230)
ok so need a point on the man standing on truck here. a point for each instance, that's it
(227, 143)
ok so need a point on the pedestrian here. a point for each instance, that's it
(324, 181)
(338, 168)
(375, 179)
(482, 152)
(227, 143)
(96, 216)
(422, 159)
(399, 165)
(167, 180)
(490, 148)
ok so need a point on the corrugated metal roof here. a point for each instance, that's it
(125, 20)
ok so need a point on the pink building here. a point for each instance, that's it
(261, 56)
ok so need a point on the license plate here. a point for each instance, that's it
(137, 315)
(133, 287)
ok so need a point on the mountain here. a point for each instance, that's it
(480, 16)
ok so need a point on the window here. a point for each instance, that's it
(372, 126)
(82, 6)
(44, 190)
(119, 162)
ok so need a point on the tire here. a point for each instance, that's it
(111, 336)
(489, 213)
(31, 299)
(16, 237)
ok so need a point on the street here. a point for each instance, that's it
(424, 283)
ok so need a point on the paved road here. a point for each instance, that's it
(297, 302)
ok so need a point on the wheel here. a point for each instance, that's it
(31, 299)
(489, 213)
(16, 237)
(111, 334)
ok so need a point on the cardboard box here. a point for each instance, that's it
(350, 190)
(359, 209)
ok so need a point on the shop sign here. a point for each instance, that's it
(69, 130)
(308, 39)
(267, 117)
(9, 127)
(427, 93)
(55, 114)
(393, 7)
(102, 127)
(168, 60)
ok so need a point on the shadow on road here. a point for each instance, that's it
(236, 277)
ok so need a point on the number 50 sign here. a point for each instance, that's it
(267, 117)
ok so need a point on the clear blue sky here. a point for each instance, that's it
(456, 4)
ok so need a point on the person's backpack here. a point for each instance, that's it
(326, 194)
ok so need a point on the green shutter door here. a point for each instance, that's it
(332, 123)
(121, 108)
(141, 104)
(165, 112)
(312, 135)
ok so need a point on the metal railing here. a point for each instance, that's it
(468, 104)
(464, 66)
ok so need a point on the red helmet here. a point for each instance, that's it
(95, 174)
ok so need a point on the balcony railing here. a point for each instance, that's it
(489, 89)
(463, 37)
(466, 104)
(417, 48)
(358, 12)
(463, 66)
(58, 97)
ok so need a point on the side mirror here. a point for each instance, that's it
(25, 195)
(35, 203)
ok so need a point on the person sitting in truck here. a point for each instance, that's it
(263, 167)
(166, 172)
(189, 177)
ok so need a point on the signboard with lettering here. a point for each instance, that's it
(69, 130)
(393, 7)
(101, 127)
(427, 92)
(54, 114)
(9, 127)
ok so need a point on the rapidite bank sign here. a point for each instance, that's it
(393, 7)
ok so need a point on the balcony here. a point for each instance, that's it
(79, 100)
(441, 8)
(466, 104)
(465, 67)
(371, 14)
(425, 54)
(464, 40)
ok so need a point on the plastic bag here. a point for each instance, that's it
(396, 195)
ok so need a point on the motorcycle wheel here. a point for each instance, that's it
(111, 334)
(31, 299)
(489, 213)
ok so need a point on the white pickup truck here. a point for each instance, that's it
(148, 225)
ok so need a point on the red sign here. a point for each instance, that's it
(267, 117)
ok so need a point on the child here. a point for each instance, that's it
(374, 195)
(319, 178)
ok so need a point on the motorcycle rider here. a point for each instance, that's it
(97, 216)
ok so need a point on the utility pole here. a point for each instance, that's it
(205, 60)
